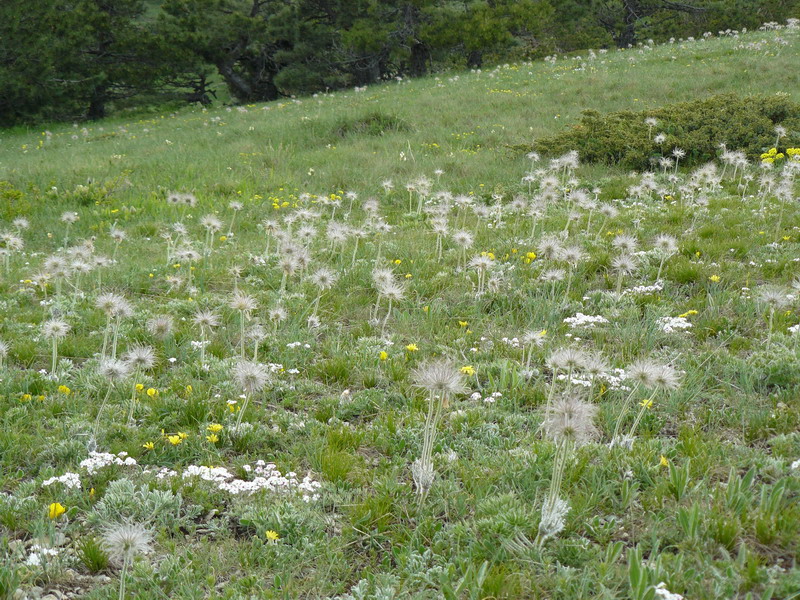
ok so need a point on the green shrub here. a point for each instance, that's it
(699, 126)
(373, 124)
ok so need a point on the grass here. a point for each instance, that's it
(704, 499)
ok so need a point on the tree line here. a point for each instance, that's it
(73, 59)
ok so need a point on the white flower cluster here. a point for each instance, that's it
(37, 552)
(582, 320)
(98, 460)
(613, 380)
(794, 329)
(267, 477)
(70, 480)
(673, 324)
(513, 342)
(490, 399)
(164, 472)
(297, 345)
(662, 592)
(643, 290)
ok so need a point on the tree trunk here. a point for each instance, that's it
(97, 104)
(419, 58)
(475, 59)
(239, 87)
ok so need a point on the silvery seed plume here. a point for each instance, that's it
(140, 357)
(55, 329)
(113, 370)
(124, 541)
(251, 377)
(160, 326)
(242, 302)
(439, 377)
(571, 419)
(205, 319)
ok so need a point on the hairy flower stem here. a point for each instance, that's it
(660, 267)
(642, 410)
(241, 323)
(771, 318)
(133, 398)
(241, 412)
(563, 449)
(386, 319)
(105, 336)
(623, 411)
(100, 412)
(435, 407)
(122, 576)
(114, 340)
(55, 357)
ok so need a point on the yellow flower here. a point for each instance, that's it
(688, 313)
(383, 355)
(26, 397)
(663, 461)
(174, 439)
(646, 403)
(148, 445)
(62, 389)
(530, 255)
(272, 536)
(152, 392)
(463, 323)
(212, 438)
(412, 348)
(56, 510)
(397, 261)
(468, 370)
(223, 238)
(714, 278)
(214, 428)
(182, 435)
(139, 387)
(189, 389)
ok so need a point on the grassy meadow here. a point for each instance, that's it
(363, 345)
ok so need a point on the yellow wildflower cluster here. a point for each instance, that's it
(772, 155)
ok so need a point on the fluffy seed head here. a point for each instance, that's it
(55, 329)
(324, 278)
(124, 541)
(243, 302)
(571, 419)
(205, 319)
(250, 376)
(114, 370)
(441, 377)
(140, 358)
(160, 326)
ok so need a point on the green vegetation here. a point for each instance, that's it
(80, 59)
(637, 140)
(358, 345)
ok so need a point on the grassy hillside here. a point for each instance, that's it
(468, 372)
